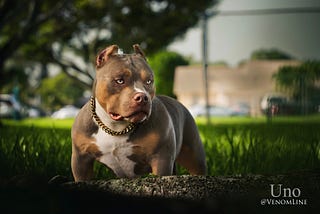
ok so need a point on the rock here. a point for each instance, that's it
(199, 188)
(168, 194)
(57, 180)
(210, 194)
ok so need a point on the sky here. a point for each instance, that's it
(233, 38)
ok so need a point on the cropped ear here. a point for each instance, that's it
(138, 51)
(105, 54)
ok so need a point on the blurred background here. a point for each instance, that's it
(252, 67)
(48, 48)
(261, 54)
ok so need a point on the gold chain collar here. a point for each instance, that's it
(105, 128)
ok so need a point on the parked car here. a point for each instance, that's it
(240, 109)
(278, 104)
(35, 112)
(68, 111)
(220, 111)
(9, 107)
(274, 101)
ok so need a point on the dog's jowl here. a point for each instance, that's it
(128, 128)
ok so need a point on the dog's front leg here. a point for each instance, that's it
(82, 167)
(162, 167)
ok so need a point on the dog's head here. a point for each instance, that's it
(124, 84)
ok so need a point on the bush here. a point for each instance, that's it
(69, 91)
(163, 65)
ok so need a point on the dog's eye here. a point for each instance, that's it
(149, 81)
(120, 81)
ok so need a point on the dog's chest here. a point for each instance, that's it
(116, 151)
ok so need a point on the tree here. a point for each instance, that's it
(163, 65)
(270, 54)
(59, 91)
(300, 82)
(69, 33)
(15, 76)
(26, 22)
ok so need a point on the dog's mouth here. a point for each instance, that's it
(116, 117)
(135, 117)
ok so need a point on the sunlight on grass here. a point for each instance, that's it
(67, 123)
(42, 122)
(259, 120)
(231, 120)
(234, 145)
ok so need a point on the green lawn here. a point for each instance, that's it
(41, 123)
(260, 120)
(67, 123)
(236, 145)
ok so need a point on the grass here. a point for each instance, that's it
(34, 151)
(233, 146)
(261, 148)
(260, 120)
(41, 123)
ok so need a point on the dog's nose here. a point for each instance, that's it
(140, 98)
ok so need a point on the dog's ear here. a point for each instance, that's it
(105, 54)
(138, 51)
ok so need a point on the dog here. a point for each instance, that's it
(128, 128)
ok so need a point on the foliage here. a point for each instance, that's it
(64, 32)
(59, 91)
(270, 54)
(163, 64)
(231, 148)
(300, 81)
(291, 77)
(15, 76)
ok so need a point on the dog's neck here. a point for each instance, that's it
(105, 122)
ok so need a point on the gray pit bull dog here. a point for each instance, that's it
(128, 128)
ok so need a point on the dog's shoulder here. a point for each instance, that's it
(84, 123)
(172, 105)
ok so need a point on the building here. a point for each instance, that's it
(247, 83)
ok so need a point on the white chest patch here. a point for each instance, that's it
(115, 152)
